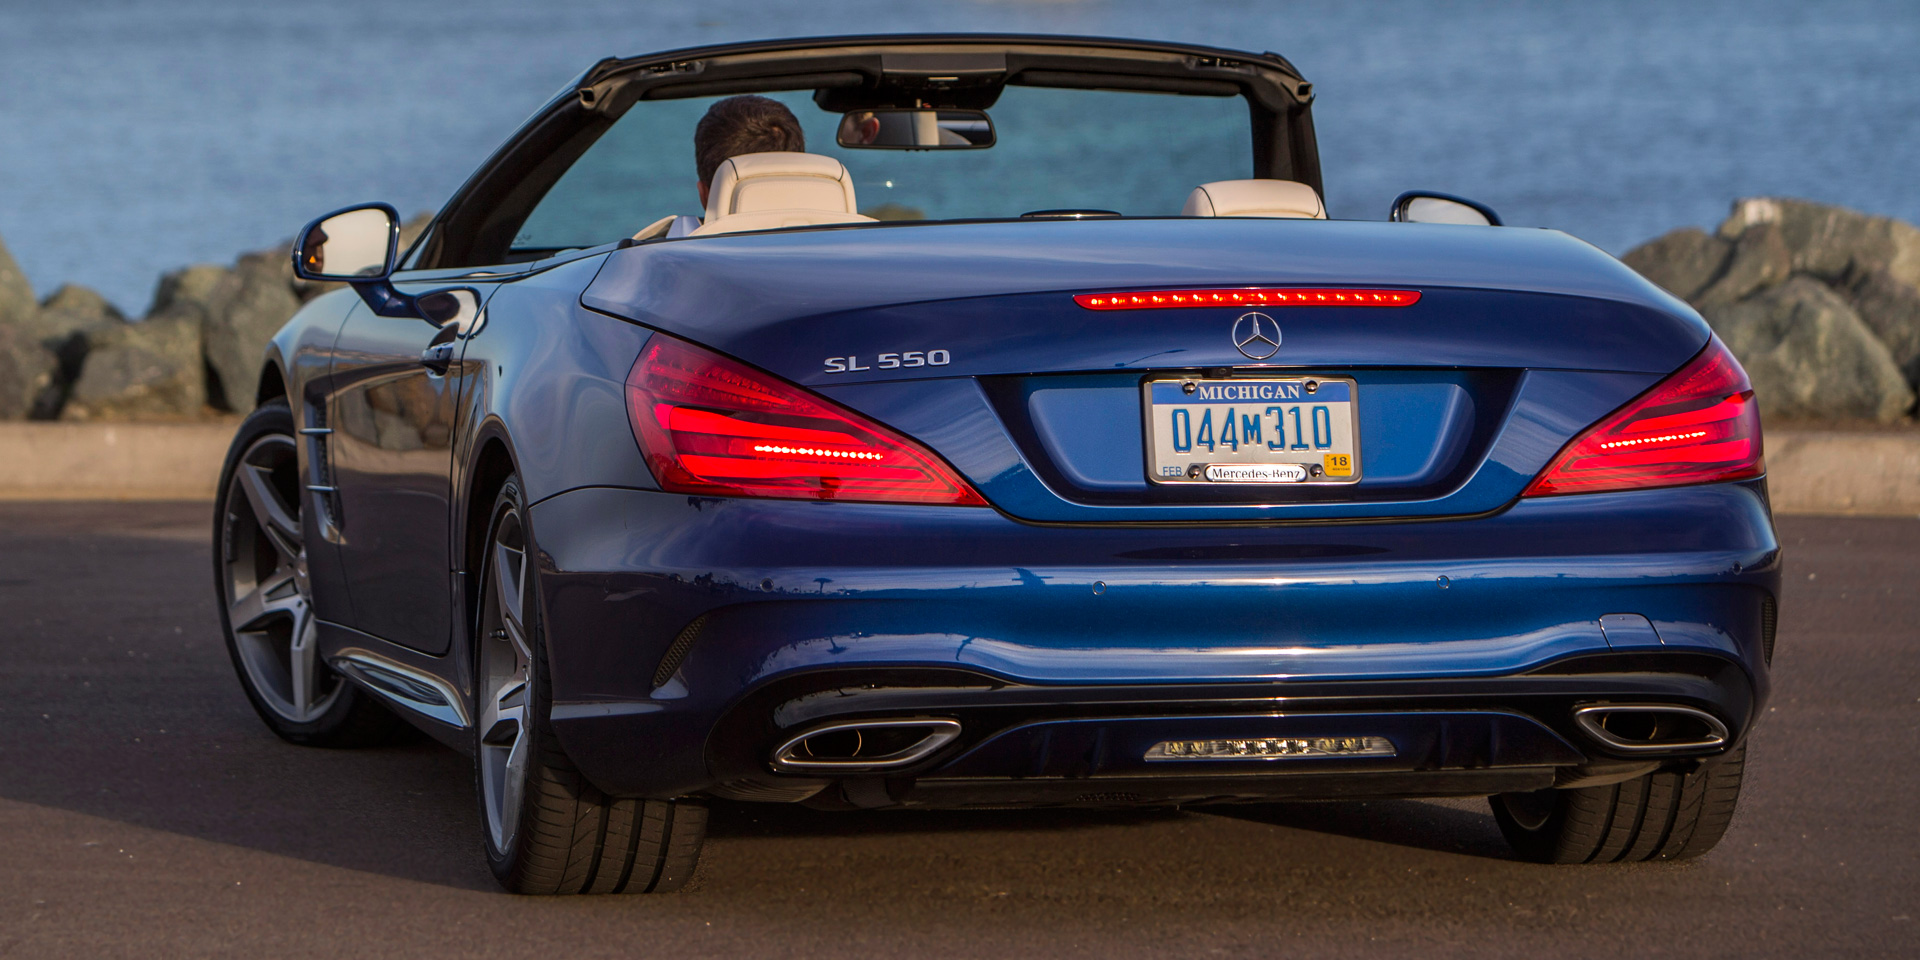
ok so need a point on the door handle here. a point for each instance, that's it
(437, 358)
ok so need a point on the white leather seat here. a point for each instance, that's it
(1254, 198)
(764, 191)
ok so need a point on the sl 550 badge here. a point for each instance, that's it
(890, 361)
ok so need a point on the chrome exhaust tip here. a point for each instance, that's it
(1651, 727)
(862, 746)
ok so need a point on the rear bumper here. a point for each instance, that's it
(688, 636)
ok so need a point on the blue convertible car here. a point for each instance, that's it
(992, 421)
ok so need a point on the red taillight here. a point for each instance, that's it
(1247, 297)
(1698, 426)
(712, 425)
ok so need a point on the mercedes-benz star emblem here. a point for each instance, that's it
(1256, 335)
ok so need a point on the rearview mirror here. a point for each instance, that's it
(898, 128)
(1426, 206)
(358, 243)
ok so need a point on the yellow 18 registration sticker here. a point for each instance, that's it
(1338, 465)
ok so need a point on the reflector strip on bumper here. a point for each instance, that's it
(1271, 748)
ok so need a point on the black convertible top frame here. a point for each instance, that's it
(960, 70)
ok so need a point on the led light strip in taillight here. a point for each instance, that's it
(817, 452)
(1247, 296)
(1666, 438)
(711, 425)
(1700, 425)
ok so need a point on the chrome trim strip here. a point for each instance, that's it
(940, 733)
(321, 488)
(403, 686)
(1588, 720)
(315, 431)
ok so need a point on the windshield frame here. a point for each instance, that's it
(477, 225)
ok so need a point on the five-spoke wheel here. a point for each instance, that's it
(504, 659)
(548, 829)
(268, 606)
(260, 571)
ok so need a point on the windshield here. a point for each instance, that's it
(1139, 154)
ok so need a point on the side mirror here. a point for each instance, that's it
(360, 246)
(899, 128)
(358, 243)
(1427, 206)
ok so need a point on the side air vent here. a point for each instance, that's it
(1769, 618)
(677, 652)
(320, 465)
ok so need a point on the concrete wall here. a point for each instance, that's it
(112, 461)
(1871, 473)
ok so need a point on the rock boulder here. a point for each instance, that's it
(67, 324)
(1810, 356)
(28, 373)
(238, 309)
(253, 306)
(1684, 262)
(77, 300)
(16, 294)
(1760, 261)
(201, 290)
(152, 370)
(1892, 310)
(1821, 304)
(1832, 243)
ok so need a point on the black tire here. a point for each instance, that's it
(259, 574)
(568, 837)
(1663, 815)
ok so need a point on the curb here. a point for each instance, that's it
(1864, 474)
(112, 461)
(1808, 471)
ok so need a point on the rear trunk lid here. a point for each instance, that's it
(967, 337)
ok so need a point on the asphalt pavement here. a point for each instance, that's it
(145, 812)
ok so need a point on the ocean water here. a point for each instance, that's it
(139, 136)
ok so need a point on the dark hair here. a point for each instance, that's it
(747, 124)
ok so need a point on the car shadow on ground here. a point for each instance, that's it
(123, 705)
(120, 702)
(729, 820)
(1446, 826)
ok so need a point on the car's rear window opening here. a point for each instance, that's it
(1139, 154)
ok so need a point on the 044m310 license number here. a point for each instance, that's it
(1280, 430)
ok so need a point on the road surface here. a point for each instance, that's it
(145, 812)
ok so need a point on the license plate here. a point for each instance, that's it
(1280, 430)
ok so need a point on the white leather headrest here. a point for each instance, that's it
(761, 182)
(1254, 198)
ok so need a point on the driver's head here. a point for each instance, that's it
(739, 125)
(313, 251)
(859, 126)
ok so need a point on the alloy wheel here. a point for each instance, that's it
(505, 662)
(269, 601)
